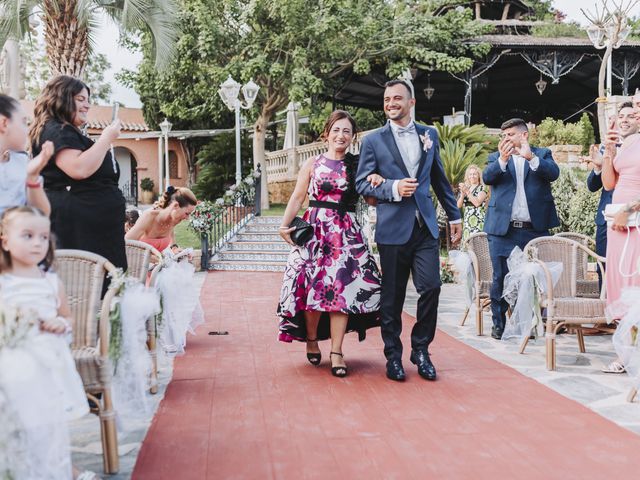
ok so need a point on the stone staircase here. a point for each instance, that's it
(256, 247)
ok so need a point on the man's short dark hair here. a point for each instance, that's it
(519, 123)
(625, 105)
(397, 81)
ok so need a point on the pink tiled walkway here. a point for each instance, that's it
(246, 406)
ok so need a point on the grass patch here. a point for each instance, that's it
(275, 210)
(185, 237)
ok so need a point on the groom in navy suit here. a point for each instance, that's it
(407, 156)
(521, 206)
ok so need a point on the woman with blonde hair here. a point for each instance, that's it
(81, 178)
(472, 198)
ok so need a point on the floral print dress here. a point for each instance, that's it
(332, 272)
(473, 220)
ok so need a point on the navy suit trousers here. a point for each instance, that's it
(420, 257)
(500, 247)
(601, 247)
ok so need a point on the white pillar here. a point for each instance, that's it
(13, 67)
(166, 161)
(238, 156)
(159, 165)
(609, 78)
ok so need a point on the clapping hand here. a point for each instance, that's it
(506, 149)
(524, 150)
(36, 164)
(612, 139)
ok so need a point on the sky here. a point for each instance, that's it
(106, 42)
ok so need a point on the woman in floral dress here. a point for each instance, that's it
(331, 284)
(473, 198)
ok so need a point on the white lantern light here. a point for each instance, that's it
(229, 92)
(250, 92)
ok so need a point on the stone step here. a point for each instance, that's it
(278, 246)
(266, 220)
(262, 227)
(247, 266)
(254, 255)
(259, 237)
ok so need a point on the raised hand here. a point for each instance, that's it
(36, 164)
(595, 157)
(524, 150)
(506, 149)
(112, 132)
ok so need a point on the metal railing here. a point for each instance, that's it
(231, 218)
(130, 193)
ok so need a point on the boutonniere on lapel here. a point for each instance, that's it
(427, 143)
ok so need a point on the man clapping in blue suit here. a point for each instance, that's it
(521, 206)
(407, 155)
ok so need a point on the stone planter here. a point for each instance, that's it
(567, 154)
(146, 197)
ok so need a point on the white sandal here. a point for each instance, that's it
(614, 367)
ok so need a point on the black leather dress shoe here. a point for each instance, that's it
(395, 370)
(425, 368)
(496, 332)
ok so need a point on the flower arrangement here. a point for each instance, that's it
(447, 275)
(202, 219)
(16, 325)
(120, 281)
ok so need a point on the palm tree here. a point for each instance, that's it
(69, 24)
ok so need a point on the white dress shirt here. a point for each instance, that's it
(520, 209)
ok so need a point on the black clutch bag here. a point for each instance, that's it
(302, 233)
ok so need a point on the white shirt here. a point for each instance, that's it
(520, 209)
(13, 175)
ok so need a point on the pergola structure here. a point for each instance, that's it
(523, 75)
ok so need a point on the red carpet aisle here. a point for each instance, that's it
(245, 406)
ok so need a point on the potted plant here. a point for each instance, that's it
(146, 185)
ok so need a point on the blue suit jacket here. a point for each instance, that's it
(395, 220)
(537, 187)
(594, 183)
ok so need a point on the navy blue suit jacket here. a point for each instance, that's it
(537, 187)
(594, 183)
(395, 220)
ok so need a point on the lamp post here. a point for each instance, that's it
(165, 127)
(229, 93)
(607, 31)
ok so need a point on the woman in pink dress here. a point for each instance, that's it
(621, 170)
(156, 225)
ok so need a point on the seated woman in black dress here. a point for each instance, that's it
(81, 178)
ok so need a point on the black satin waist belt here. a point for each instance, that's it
(340, 207)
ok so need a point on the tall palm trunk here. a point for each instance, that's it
(67, 41)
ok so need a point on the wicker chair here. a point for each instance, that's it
(564, 306)
(139, 257)
(83, 275)
(478, 248)
(585, 287)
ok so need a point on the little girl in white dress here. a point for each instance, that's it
(39, 384)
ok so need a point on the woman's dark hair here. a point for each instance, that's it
(5, 221)
(131, 217)
(8, 105)
(56, 102)
(182, 195)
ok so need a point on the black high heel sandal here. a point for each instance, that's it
(314, 358)
(339, 372)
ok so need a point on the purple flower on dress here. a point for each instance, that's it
(329, 295)
(328, 185)
(330, 249)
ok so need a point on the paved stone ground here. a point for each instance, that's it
(86, 446)
(578, 375)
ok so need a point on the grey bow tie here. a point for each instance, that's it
(408, 130)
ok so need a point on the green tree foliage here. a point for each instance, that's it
(295, 50)
(575, 204)
(557, 132)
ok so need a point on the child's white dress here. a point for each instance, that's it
(39, 383)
